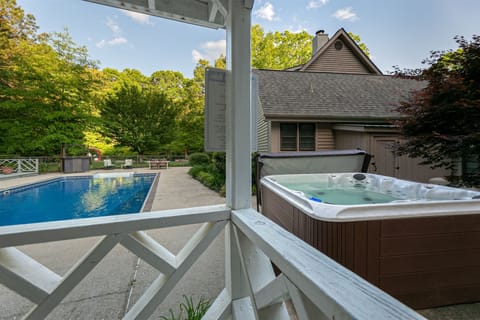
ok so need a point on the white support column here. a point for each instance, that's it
(238, 84)
(238, 166)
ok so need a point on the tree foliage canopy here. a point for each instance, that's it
(442, 121)
(140, 118)
(45, 87)
(279, 50)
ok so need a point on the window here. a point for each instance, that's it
(297, 137)
(307, 136)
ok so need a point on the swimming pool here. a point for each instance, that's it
(75, 197)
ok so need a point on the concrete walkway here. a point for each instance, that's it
(118, 281)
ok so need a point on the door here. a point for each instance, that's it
(384, 161)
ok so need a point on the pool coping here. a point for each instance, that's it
(148, 203)
(31, 185)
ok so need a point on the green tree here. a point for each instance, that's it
(14, 23)
(279, 50)
(172, 83)
(140, 118)
(221, 62)
(45, 87)
(363, 46)
(188, 99)
(442, 122)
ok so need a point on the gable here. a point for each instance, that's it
(341, 60)
(340, 54)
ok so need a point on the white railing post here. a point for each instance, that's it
(238, 119)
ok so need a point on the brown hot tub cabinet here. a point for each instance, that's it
(424, 262)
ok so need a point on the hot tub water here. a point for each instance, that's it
(341, 196)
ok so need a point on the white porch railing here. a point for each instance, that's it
(21, 165)
(318, 287)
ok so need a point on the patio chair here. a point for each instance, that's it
(127, 164)
(107, 164)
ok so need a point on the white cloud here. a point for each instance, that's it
(113, 42)
(138, 17)
(346, 14)
(101, 44)
(113, 26)
(117, 35)
(266, 12)
(210, 50)
(196, 55)
(314, 4)
(117, 40)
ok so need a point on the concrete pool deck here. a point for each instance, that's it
(117, 282)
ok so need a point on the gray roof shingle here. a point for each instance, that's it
(289, 94)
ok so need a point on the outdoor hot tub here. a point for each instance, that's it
(418, 242)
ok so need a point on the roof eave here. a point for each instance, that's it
(332, 118)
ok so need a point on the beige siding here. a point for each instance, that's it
(262, 131)
(324, 137)
(275, 137)
(339, 61)
(351, 140)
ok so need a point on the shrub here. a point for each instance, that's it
(219, 162)
(207, 179)
(199, 159)
(195, 171)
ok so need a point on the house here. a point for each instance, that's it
(339, 99)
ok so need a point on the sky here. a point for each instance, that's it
(397, 32)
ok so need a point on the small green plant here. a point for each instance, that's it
(192, 311)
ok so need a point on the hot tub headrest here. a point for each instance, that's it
(330, 161)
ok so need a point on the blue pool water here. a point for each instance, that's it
(74, 197)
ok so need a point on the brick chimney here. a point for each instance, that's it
(319, 40)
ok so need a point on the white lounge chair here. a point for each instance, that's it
(127, 164)
(107, 164)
